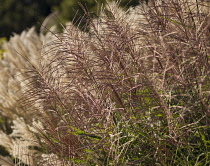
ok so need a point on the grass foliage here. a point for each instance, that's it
(132, 90)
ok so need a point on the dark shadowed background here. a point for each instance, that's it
(17, 15)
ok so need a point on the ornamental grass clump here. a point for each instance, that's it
(17, 137)
(133, 89)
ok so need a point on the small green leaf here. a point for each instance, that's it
(159, 115)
